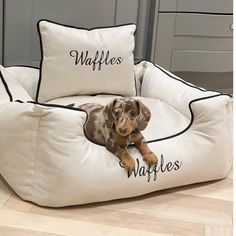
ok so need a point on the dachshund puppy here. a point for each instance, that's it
(117, 125)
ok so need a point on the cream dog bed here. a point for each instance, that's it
(46, 158)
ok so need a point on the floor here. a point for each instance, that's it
(200, 209)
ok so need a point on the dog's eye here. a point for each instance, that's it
(116, 113)
(132, 113)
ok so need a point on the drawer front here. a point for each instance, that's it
(168, 5)
(204, 25)
(180, 48)
(202, 61)
(217, 6)
(210, 6)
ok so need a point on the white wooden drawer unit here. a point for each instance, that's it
(194, 35)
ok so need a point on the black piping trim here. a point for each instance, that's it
(182, 81)
(6, 87)
(95, 94)
(69, 26)
(149, 141)
(18, 101)
(197, 12)
(84, 28)
(68, 108)
(57, 106)
(191, 121)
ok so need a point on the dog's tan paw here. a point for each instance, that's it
(128, 163)
(150, 159)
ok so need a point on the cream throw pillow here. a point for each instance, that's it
(81, 61)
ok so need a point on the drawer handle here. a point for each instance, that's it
(231, 27)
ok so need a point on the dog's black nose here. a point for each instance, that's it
(123, 130)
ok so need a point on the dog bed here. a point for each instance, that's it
(46, 158)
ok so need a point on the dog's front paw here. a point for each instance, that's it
(150, 159)
(128, 163)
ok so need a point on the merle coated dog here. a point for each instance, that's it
(117, 125)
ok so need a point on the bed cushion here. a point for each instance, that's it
(81, 61)
(165, 120)
(10, 87)
(27, 76)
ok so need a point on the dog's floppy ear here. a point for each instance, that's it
(107, 112)
(144, 116)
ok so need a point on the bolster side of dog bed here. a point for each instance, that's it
(37, 143)
(209, 112)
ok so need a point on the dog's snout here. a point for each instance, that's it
(123, 130)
